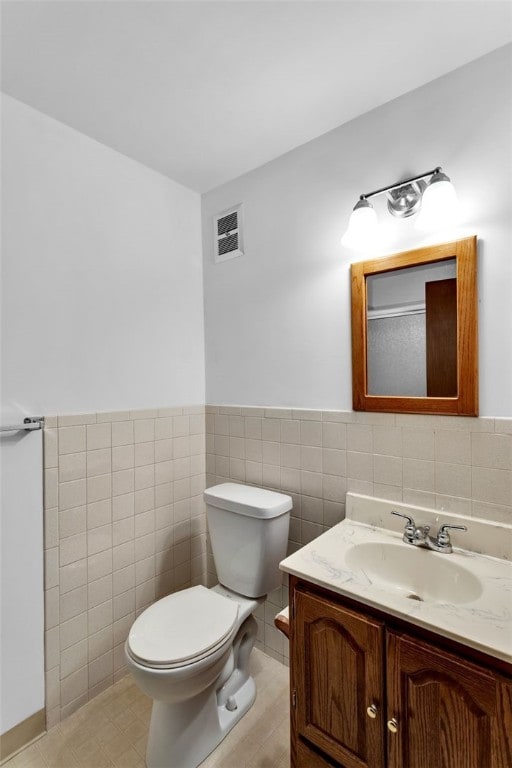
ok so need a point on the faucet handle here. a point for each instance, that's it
(410, 520)
(410, 528)
(443, 537)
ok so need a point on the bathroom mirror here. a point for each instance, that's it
(414, 331)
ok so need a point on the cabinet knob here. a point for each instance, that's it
(393, 725)
(371, 711)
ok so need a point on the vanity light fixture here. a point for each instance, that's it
(438, 204)
(435, 200)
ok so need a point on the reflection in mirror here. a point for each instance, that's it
(412, 331)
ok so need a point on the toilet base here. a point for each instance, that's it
(183, 734)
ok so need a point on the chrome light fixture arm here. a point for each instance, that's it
(399, 184)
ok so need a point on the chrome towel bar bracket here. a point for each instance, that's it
(30, 424)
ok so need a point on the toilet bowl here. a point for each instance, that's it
(194, 707)
(190, 650)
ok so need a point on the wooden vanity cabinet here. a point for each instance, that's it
(337, 654)
(366, 694)
(451, 713)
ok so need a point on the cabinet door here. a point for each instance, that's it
(305, 757)
(449, 713)
(337, 661)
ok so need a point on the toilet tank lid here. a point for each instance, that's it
(248, 500)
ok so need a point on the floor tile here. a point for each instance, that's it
(111, 730)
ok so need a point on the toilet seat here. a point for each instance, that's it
(182, 628)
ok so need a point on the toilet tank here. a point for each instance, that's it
(249, 535)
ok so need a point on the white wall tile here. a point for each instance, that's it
(334, 435)
(73, 575)
(99, 436)
(72, 466)
(271, 430)
(72, 440)
(99, 591)
(123, 457)
(122, 433)
(99, 462)
(123, 506)
(387, 470)
(271, 453)
(311, 483)
(418, 443)
(99, 488)
(253, 428)
(123, 482)
(144, 430)
(181, 425)
(73, 548)
(360, 466)
(73, 630)
(311, 457)
(73, 658)
(492, 485)
(99, 565)
(100, 616)
(453, 479)
(145, 453)
(493, 451)
(290, 431)
(334, 488)
(419, 475)
(453, 446)
(50, 448)
(359, 438)
(253, 449)
(311, 433)
(72, 521)
(163, 428)
(334, 462)
(72, 494)
(387, 440)
(100, 642)
(99, 539)
(99, 513)
(73, 603)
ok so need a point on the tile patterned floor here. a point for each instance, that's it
(111, 730)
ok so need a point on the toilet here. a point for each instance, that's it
(190, 650)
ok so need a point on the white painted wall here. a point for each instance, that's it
(101, 310)
(21, 578)
(278, 319)
(101, 276)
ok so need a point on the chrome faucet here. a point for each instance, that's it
(418, 535)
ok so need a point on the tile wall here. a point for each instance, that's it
(459, 464)
(124, 525)
(125, 521)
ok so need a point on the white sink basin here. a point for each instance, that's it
(414, 572)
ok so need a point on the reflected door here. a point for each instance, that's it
(441, 337)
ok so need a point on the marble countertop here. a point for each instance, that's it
(484, 624)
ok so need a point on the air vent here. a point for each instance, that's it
(227, 233)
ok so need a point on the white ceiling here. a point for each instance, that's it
(205, 91)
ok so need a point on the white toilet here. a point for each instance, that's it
(190, 651)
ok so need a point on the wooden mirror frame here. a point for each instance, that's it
(466, 401)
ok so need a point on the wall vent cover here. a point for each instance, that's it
(228, 235)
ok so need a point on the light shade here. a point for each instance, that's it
(439, 204)
(362, 226)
